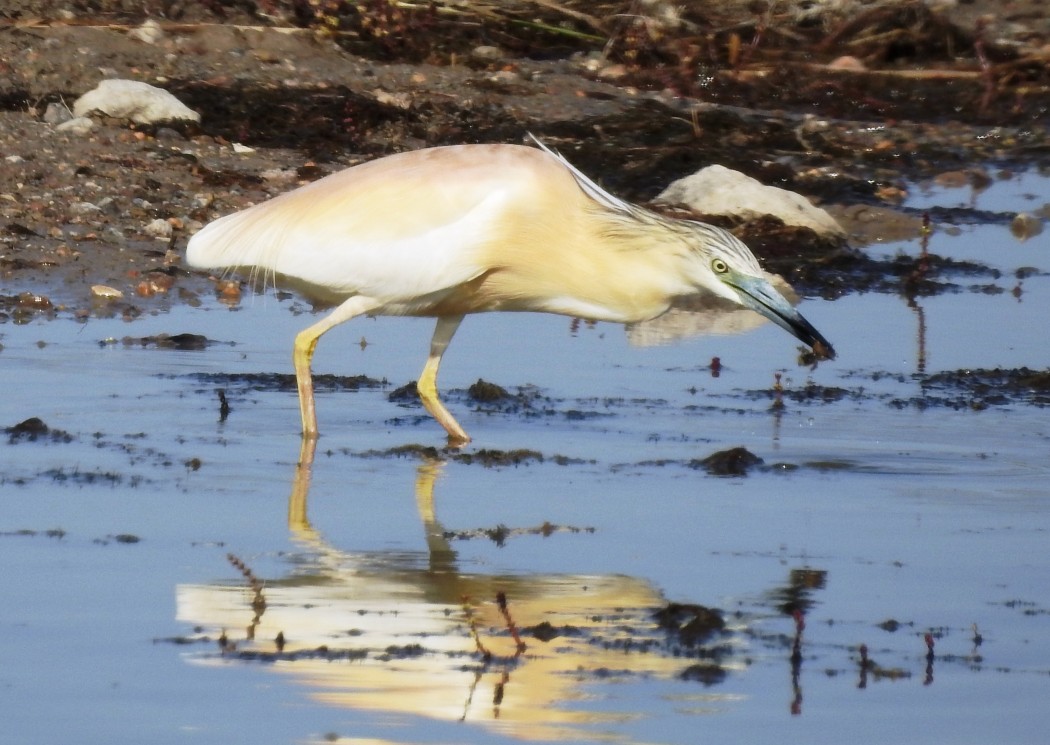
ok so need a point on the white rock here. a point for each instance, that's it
(159, 229)
(717, 190)
(105, 292)
(80, 125)
(402, 100)
(486, 53)
(278, 175)
(149, 32)
(132, 99)
(504, 76)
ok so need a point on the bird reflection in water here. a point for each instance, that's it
(517, 653)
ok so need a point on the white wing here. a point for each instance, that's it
(395, 228)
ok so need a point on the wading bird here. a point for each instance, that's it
(448, 231)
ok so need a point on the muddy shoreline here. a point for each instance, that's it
(82, 210)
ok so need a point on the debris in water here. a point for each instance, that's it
(733, 462)
(33, 429)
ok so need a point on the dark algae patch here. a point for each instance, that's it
(847, 270)
(975, 389)
(486, 393)
(286, 381)
(691, 624)
(501, 533)
(483, 395)
(34, 429)
(183, 342)
(487, 457)
(733, 462)
(979, 389)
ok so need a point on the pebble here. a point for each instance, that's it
(57, 113)
(952, 179)
(849, 63)
(402, 100)
(486, 53)
(1025, 225)
(83, 208)
(80, 125)
(104, 292)
(505, 76)
(149, 32)
(612, 72)
(167, 134)
(160, 229)
(273, 175)
(228, 290)
(113, 235)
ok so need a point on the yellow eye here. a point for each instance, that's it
(719, 266)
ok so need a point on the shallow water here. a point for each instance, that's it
(870, 507)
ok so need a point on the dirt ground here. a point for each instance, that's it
(845, 101)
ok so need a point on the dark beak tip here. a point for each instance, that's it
(823, 350)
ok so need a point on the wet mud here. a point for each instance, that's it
(848, 137)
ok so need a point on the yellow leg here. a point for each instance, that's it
(303, 352)
(442, 557)
(298, 522)
(427, 385)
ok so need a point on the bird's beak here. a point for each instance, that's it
(760, 296)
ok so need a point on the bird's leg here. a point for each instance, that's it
(303, 352)
(427, 384)
(298, 522)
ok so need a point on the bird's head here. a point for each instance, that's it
(722, 264)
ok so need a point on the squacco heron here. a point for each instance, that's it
(448, 231)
